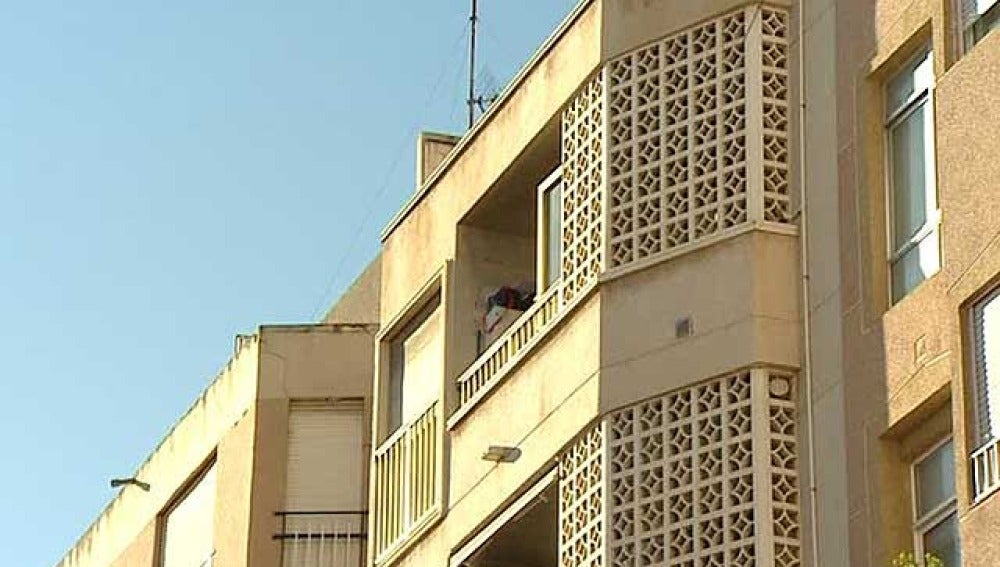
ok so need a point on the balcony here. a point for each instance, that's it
(985, 470)
(525, 533)
(322, 539)
(527, 330)
(407, 489)
(672, 147)
(545, 217)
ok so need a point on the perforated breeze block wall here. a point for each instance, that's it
(703, 476)
(698, 135)
(582, 150)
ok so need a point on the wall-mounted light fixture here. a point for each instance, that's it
(502, 454)
(116, 482)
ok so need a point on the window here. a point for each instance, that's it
(979, 17)
(417, 365)
(986, 368)
(549, 231)
(984, 388)
(325, 464)
(189, 525)
(323, 518)
(935, 515)
(914, 249)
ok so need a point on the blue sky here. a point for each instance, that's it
(175, 172)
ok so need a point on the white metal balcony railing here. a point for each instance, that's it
(407, 481)
(985, 470)
(322, 538)
(493, 363)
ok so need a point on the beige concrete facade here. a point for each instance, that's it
(717, 376)
(904, 367)
(608, 341)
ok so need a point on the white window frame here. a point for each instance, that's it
(970, 18)
(551, 183)
(922, 97)
(940, 513)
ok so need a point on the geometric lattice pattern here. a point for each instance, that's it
(581, 501)
(680, 111)
(783, 470)
(681, 474)
(677, 165)
(706, 476)
(583, 186)
(774, 87)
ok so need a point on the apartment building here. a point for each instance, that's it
(916, 96)
(711, 283)
(268, 467)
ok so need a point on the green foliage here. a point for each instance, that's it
(907, 559)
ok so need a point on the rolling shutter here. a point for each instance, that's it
(986, 323)
(325, 458)
(189, 527)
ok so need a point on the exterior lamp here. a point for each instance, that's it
(502, 454)
(116, 482)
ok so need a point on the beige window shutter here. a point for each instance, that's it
(325, 458)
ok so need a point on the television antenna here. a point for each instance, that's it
(475, 101)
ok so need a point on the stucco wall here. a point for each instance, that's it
(234, 475)
(299, 362)
(968, 135)
(316, 361)
(741, 295)
(360, 303)
(903, 363)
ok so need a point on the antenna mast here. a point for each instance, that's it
(473, 18)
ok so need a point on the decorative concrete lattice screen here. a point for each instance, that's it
(698, 134)
(784, 476)
(583, 186)
(774, 93)
(581, 501)
(706, 476)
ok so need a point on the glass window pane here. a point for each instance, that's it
(986, 23)
(916, 265)
(553, 235)
(935, 479)
(942, 541)
(899, 90)
(909, 176)
(983, 6)
(915, 77)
